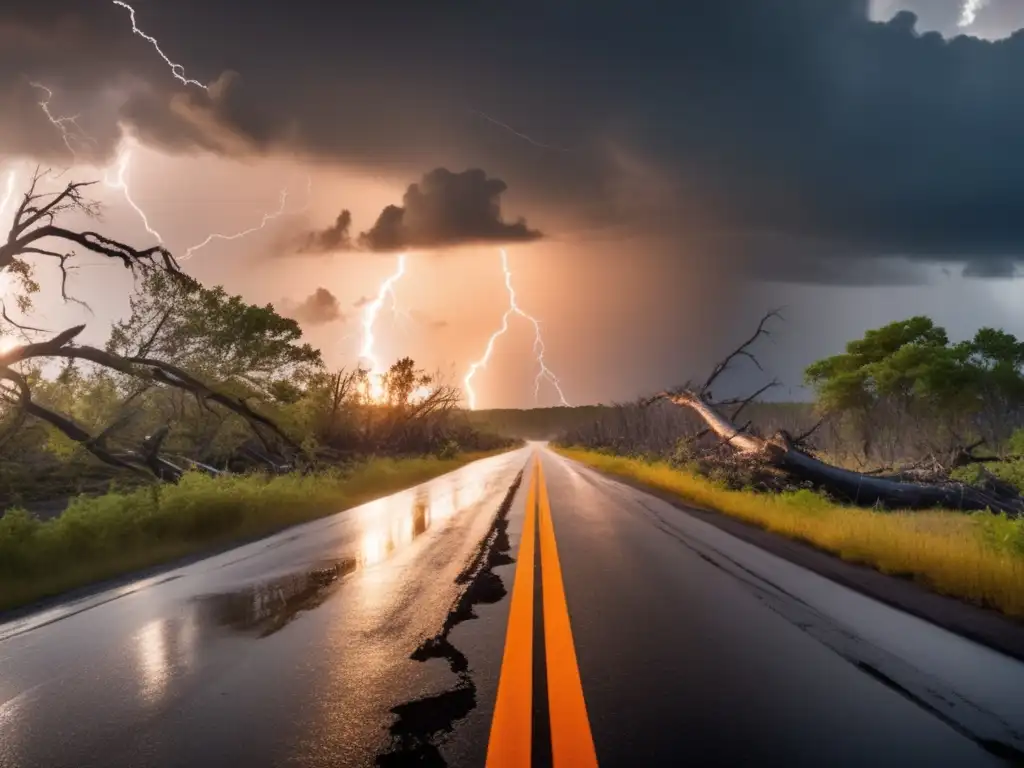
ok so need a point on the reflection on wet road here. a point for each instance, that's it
(381, 636)
(301, 642)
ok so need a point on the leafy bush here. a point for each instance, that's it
(1008, 471)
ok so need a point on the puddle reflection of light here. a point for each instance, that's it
(374, 547)
(165, 647)
(154, 671)
(396, 521)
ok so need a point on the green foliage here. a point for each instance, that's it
(1001, 531)
(213, 335)
(1008, 471)
(402, 380)
(1015, 443)
(909, 371)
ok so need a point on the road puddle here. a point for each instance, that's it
(267, 607)
(387, 525)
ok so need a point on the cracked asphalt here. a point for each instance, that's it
(407, 632)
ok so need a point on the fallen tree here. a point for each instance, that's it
(35, 233)
(790, 455)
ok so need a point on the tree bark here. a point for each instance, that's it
(855, 487)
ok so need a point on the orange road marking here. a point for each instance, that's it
(572, 744)
(511, 735)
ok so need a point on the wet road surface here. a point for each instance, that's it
(608, 627)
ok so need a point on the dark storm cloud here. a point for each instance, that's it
(98, 71)
(991, 268)
(336, 237)
(319, 308)
(802, 118)
(446, 209)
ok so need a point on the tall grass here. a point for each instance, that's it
(104, 536)
(977, 557)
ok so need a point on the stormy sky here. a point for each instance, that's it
(659, 176)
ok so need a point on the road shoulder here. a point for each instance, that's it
(981, 625)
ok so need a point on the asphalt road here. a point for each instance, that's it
(520, 610)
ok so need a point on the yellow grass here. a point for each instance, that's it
(977, 557)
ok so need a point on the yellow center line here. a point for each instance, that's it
(510, 742)
(572, 744)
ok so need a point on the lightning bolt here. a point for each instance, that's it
(375, 388)
(544, 373)
(176, 69)
(267, 218)
(69, 128)
(520, 134)
(969, 13)
(120, 181)
(8, 191)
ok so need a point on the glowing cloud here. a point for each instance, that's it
(544, 373)
(969, 13)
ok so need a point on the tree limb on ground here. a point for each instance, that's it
(782, 452)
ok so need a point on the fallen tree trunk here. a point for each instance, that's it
(858, 488)
(783, 453)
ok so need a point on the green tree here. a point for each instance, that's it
(215, 336)
(402, 381)
(905, 383)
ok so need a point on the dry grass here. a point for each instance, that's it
(978, 558)
(105, 536)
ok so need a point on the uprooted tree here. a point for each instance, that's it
(159, 345)
(912, 344)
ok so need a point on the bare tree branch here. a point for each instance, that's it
(19, 326)
(742, 351)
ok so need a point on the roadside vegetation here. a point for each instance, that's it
(202, 420)
(977, 557)
(99, 537)
(910, 460)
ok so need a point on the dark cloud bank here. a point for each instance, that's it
(795, 137)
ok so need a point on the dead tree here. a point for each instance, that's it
(36, 233)
(789, 455)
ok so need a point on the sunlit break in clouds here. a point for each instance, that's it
(375, 383)
(970, 12)
(176, 69)
(544, 373)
